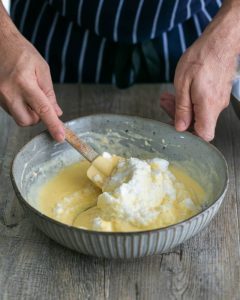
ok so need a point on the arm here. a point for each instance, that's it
(204, 74)
(26, 90)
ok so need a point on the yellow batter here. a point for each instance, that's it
(71, 198)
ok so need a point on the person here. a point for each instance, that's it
(194, 43)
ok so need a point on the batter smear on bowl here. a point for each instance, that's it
(139, 195)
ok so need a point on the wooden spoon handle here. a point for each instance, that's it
(86, 150)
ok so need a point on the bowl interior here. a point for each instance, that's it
(126, 136)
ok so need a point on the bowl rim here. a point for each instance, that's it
(24, 202)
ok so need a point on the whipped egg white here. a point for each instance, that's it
(139, 194)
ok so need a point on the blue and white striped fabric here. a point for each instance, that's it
(80, 39)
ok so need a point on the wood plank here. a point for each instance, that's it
(34, 267)
(141, 100)
(205, 267)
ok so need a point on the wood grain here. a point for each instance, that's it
(34, 267)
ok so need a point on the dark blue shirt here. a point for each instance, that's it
(113, 41)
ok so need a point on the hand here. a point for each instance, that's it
(26, 90)
(203, 77)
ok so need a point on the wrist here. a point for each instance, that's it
(221, 38)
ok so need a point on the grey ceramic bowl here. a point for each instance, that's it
(161, 140)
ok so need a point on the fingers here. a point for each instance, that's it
(22, 114)
(34, 116)
(45, 83)
(206, 113)
(167, 102)
(205, 122)
(183, 109)
(208, 104)
(205, 118)
(38, 101)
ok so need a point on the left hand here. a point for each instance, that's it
(203, 77)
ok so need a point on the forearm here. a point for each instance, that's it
(224, 30)
(10, 37)
(231, 3)
(7, 28)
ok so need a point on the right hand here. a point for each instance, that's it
(26, 89)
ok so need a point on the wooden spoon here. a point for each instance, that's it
(86, 150)
(101, 166)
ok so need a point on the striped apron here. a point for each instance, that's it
(112, 41)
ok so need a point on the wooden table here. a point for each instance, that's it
(34, 267)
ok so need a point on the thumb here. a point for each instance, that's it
(183, 110)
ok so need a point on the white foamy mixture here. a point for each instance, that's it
(139, 191)
(139, 195)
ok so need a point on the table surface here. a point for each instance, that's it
(32, 266)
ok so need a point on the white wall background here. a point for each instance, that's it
(6, 3)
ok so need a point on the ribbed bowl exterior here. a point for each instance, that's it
(123, 245)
